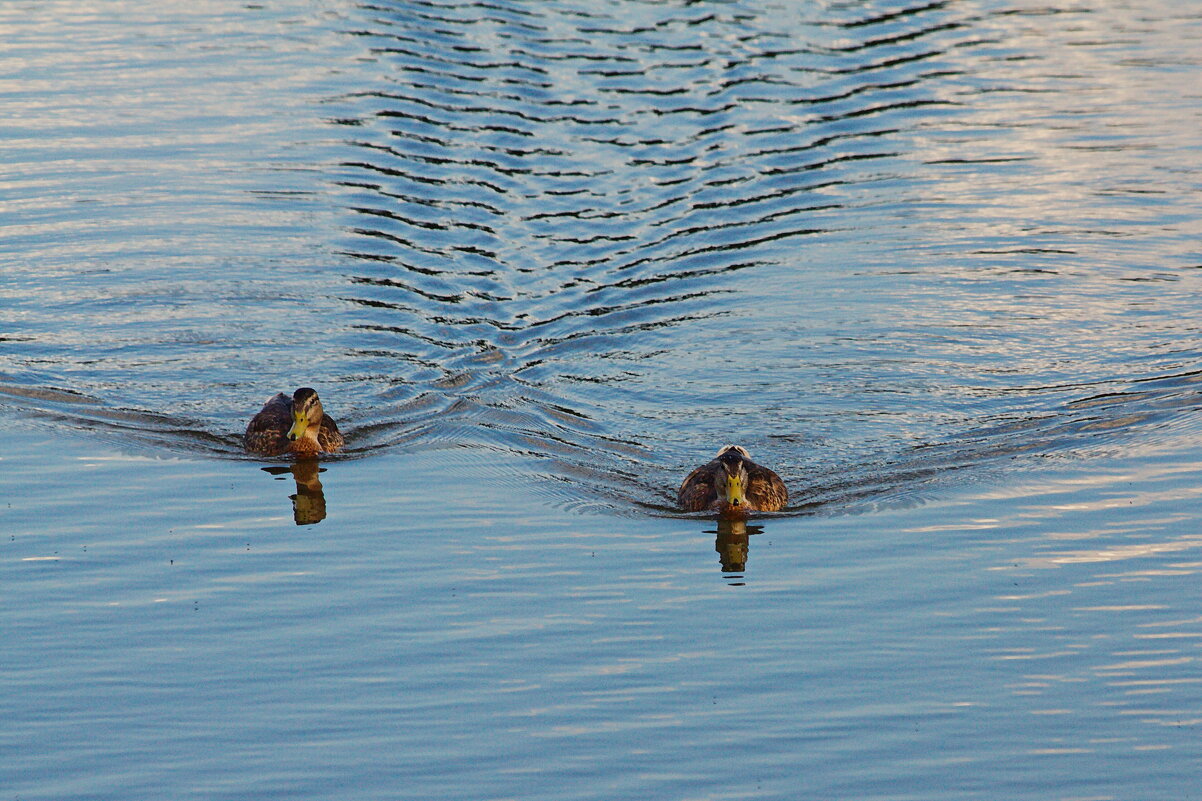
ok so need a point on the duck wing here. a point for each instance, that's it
(699, 489)
(267, 432)
(328, 436)
(765, 490)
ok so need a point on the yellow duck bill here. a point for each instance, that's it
(734, 491)
(299, 424)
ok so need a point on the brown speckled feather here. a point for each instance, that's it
(699, 489)
(267, 433)
(329, 437)
(701, 492)
(765, 490)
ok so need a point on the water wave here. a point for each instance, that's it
(612, 237)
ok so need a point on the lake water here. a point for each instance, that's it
(937, 263)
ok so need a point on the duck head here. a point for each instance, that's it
(306, 413)
(734, 459)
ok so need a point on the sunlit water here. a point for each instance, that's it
(936, 263)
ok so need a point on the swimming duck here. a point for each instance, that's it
(295, 425)
(732, 485)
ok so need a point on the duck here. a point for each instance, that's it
(296, 426)
(733, 486)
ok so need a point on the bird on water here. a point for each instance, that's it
(296, 425)
(733, 486)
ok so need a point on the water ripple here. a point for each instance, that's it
(611, 237)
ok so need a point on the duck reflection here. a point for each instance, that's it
(309, 502)
(732, 544)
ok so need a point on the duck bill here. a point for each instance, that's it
(299, 425)
(735, 495)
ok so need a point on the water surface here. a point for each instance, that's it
(936, 263)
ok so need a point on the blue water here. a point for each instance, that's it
(937, 264)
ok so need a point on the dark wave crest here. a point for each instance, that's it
(612, 237)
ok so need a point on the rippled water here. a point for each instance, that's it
(937, 263)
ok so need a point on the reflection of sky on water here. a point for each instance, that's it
(960, 227)
(876, 638)
(158, 179)
(857, 251)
